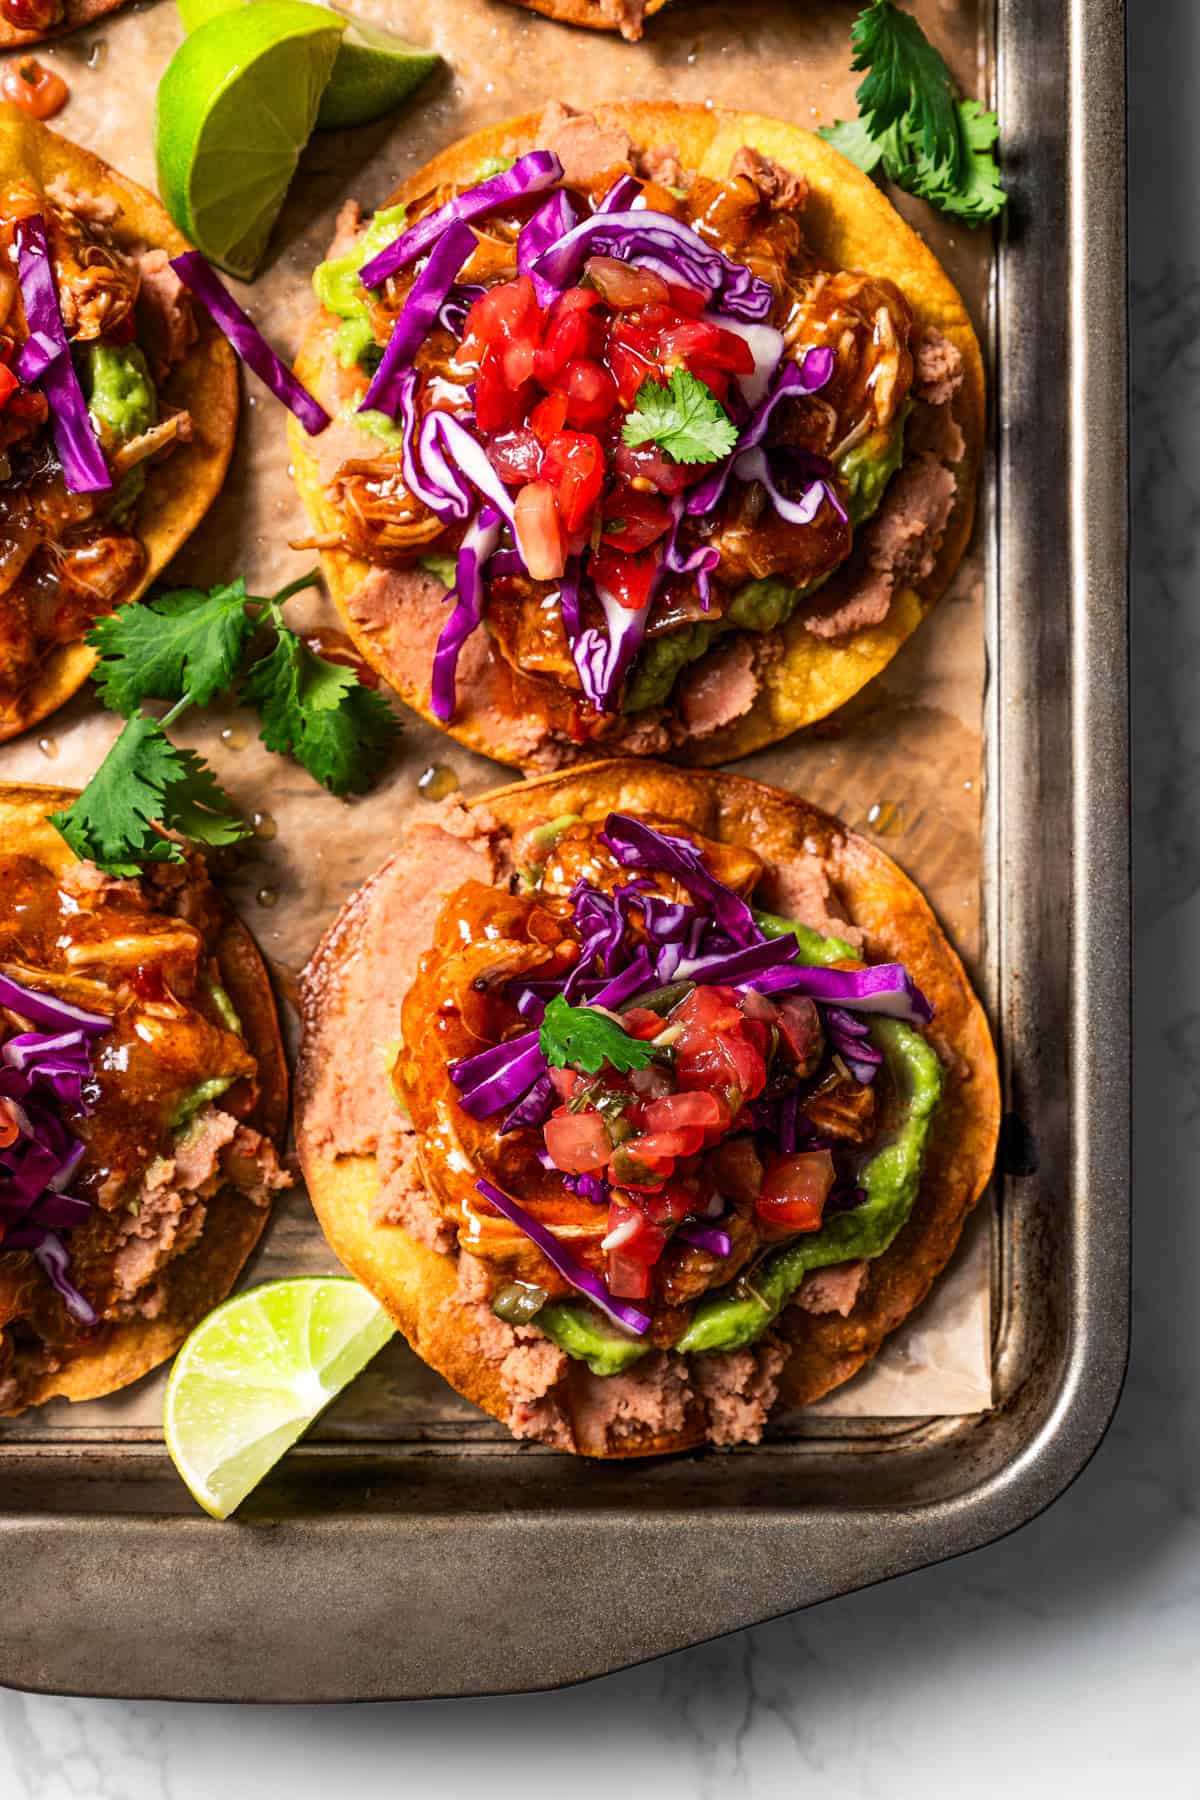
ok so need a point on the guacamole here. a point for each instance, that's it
(738, 1315)
(337, 287)
(867, 469)
(123, 403)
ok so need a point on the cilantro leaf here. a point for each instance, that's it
(182, 641)
(913, 127)
(906, 80)
(579, 1037)
(320, 713)
(685, 419)
(854, 140)
(143, 781)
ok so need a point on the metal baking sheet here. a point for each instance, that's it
(449, 1561)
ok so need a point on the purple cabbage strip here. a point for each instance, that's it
(530, 174)
(248, 341)
(83, 466)
(481, 539)
(664, 245)
(534, 1109)
(422, 305)
(807, 377)
(603, 657)
(499, 1076)
(457, 304)
(885, 988)
(47, 1010)
(414, 476)
(638, 846)
(588, 1187)
(621, 195)
(550, 222)
(441, 437)
(560, 1258)
(705, 1237)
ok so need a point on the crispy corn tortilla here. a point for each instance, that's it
(203, 1275)
(418, 1285)
(848, 220)
(77, 14)
(180, 490)
(590, 13)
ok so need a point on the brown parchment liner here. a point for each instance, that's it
(902, 763)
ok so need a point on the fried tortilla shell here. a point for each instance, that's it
(76, 14)
(202, 1276)
(503, 713)
(598, 15)
(418, 1284)
(179, 490)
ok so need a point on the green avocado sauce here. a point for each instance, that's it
(190, 1103)
(763, 605)
(122, 400)
(738, 1315)
(337, 287)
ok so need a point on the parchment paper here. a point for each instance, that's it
(902, 763)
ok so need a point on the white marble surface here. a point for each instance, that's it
(1064, 1658)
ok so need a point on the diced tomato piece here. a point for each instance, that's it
(548, 417)
(591, 392)
(578, 1142)
(632, 1233)
(627, 1278)
(623, 286)
(711, 1007)
(573, 329)
(498, 405)
(574, 465)
(539, 531)
(628, 579)
(564, 1082)
(686, 300)
(670, 1203)
(800, 1029)
(643, 462)
(8, 385)
(691, 1112)
(634, 521)
(516, 456)
(715, 380)
(640, 1022)
(795, 1189)
(507, 315)
(632, 355)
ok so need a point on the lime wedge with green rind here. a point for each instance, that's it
(235, 108)
(374, 70)
(373, 73)
(256, 1372)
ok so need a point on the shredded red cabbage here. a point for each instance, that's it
(638, 846)
(550, 222)
(414, 476)
(705, 1237)
(807, 377)
(530, 174)
(851, 1038)
(664, 245)
(442, 437)
(40, 1070)
(603, 657)
(457, 304)
(46, 358)
(482, 537)
(583, 1279)
(248, 341)
(418, 315)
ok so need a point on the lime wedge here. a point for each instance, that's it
(195, 12)
(255, 1373)
(373, 73)
(235, 108)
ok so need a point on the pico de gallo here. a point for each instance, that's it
(623, 415)
(631, 1089)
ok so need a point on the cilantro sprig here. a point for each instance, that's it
(188, 646)
(579, 1037)
(912, 125)
(685, 419)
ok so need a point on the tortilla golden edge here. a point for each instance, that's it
(205, 1274)
(417, 1284)
(13, 38)
(848, 218)
(585, 13)
(179, 491)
